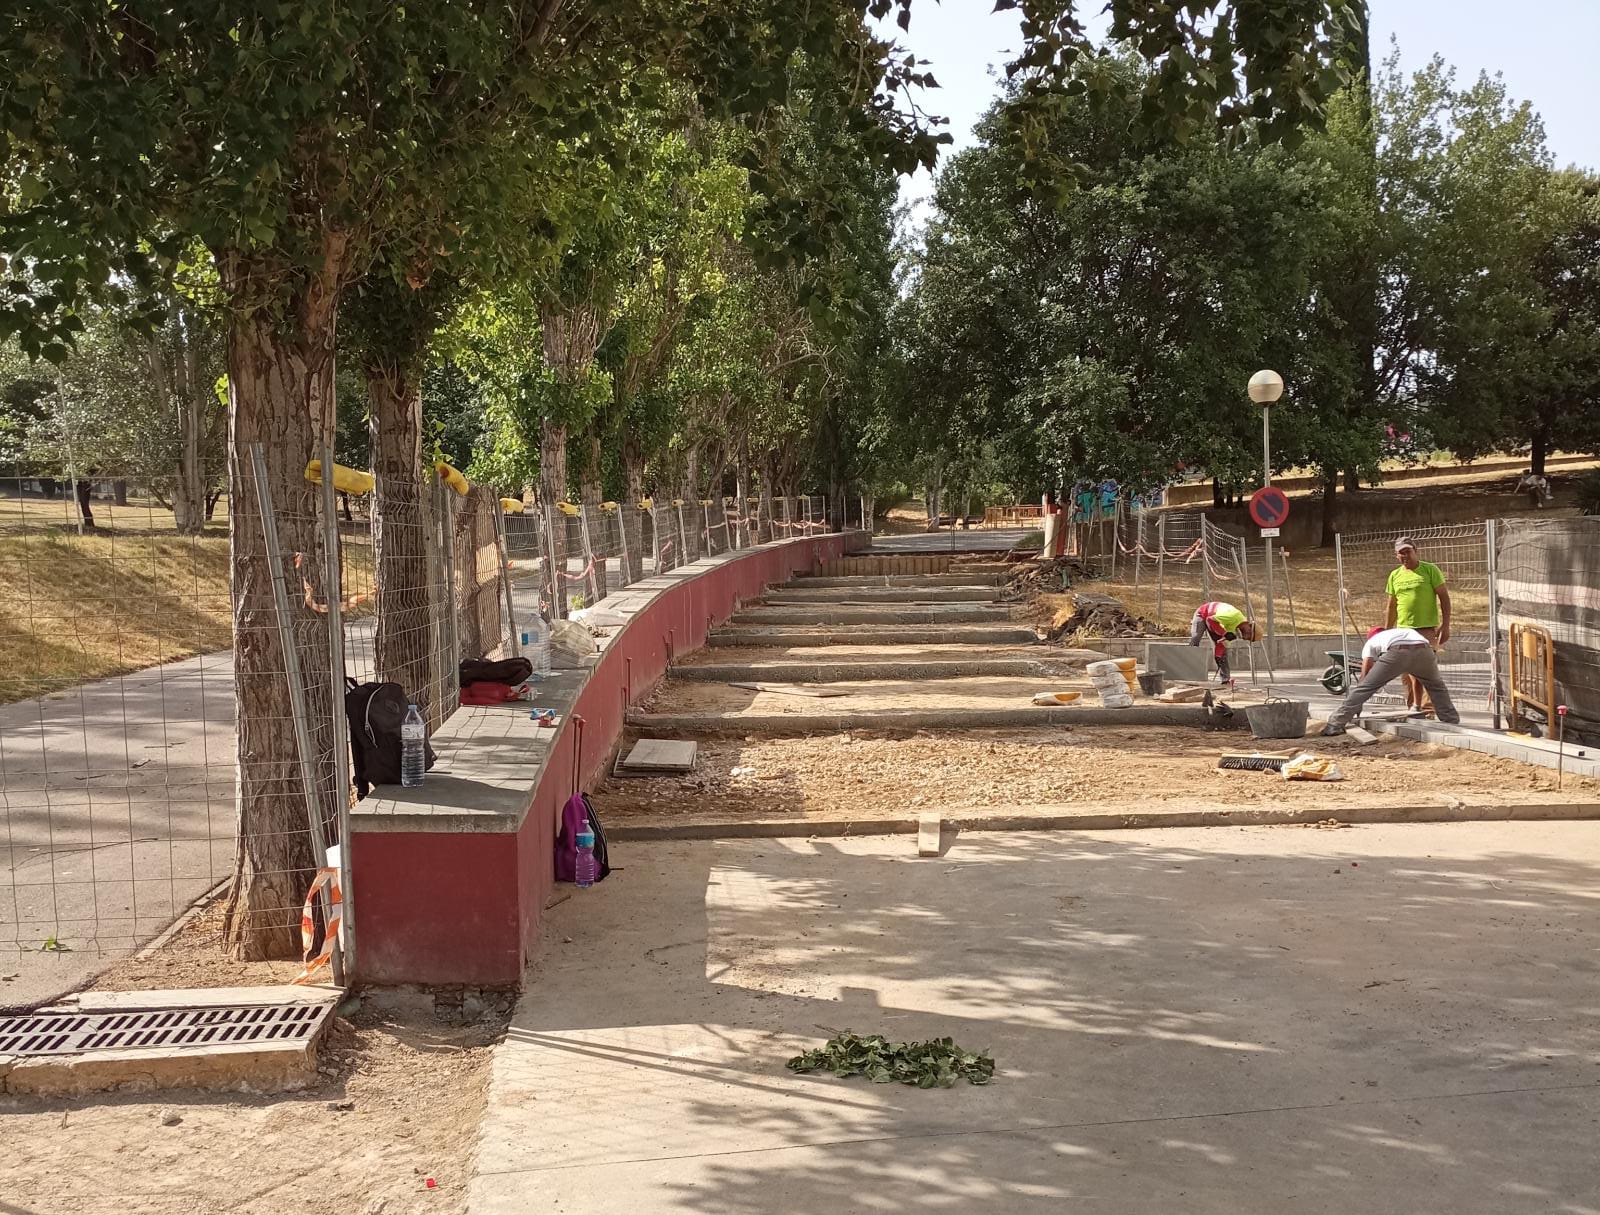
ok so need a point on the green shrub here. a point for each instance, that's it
(1589, 493)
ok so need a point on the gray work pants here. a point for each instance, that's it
(1398, 660)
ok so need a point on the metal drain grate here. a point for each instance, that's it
(70, 1033)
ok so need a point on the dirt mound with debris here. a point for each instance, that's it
(1053, 574)
(1091, 615)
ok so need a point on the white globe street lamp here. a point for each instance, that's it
(1265, 388)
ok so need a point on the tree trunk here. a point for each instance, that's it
(119, 492)
(591, 491)
(935, 497)
(1536, 455)
(741, 500)
(85, 497)
(403, 650)
(768, 529)
(1330, 493)
(280, 381)
(1352, 480)
(553, 489)
(693, 518)
(189, 507)
(1218, 501)
(633, 468)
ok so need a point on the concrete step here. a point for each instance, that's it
(861, 594)
(976, 634)
(896, 580)
(887, 615)
(680, 725)
(846, 671)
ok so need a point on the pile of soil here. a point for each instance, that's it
(1100, 616)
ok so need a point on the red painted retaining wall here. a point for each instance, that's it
(465, 907)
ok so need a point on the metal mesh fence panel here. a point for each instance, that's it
(1547, 574)
(116, 717)
(1366, 559)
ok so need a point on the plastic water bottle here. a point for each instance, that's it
(536, 647)
(587, 868)
(413, 749)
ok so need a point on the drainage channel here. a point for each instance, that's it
(77, 1033)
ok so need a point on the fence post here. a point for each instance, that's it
(1491, 538)
(591, 563)
(344, 952)
(1288, 589)
(1161, 565)
(1205, 558)
(451, 675)
(553, 577)
(1344, 634)
(514, 645)
(1243, 561)
(291, 661)
(1138, 546)
(622, 544)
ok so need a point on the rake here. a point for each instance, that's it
(1260, 761)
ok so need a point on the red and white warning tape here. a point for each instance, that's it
(308, 928)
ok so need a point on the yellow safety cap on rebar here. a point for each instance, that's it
(513, 506)
(345, 480)
(452, 477)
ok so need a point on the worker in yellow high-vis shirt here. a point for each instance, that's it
(1222, 623)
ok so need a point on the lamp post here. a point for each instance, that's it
(1265, 389)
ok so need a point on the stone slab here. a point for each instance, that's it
(1177, 660)
(1144, 714)
(661, 755)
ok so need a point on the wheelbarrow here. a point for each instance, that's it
(1341, 672)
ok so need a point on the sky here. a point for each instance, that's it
(1546, 50)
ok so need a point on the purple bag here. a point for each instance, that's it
(577, 815)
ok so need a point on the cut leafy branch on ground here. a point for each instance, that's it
(936, 1063)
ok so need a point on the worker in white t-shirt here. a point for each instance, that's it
(1389, 654)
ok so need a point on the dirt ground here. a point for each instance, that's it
(400, 1100)
(727, 655)
(847, 776)
(868, 695)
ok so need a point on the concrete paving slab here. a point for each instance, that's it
(833, 722)
(844, 671)
(789, 596)
(893, 580)
(884, 614)
(1243, 1022)
(972, 634)
(1177, 660)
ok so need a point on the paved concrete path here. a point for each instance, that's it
(951, 540)
(1228, 1021)
(116, 812)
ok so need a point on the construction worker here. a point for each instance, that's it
(1418, 599)
(1222, 623)
(1389, 654)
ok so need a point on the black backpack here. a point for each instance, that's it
(375, 711)
(509, 671)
